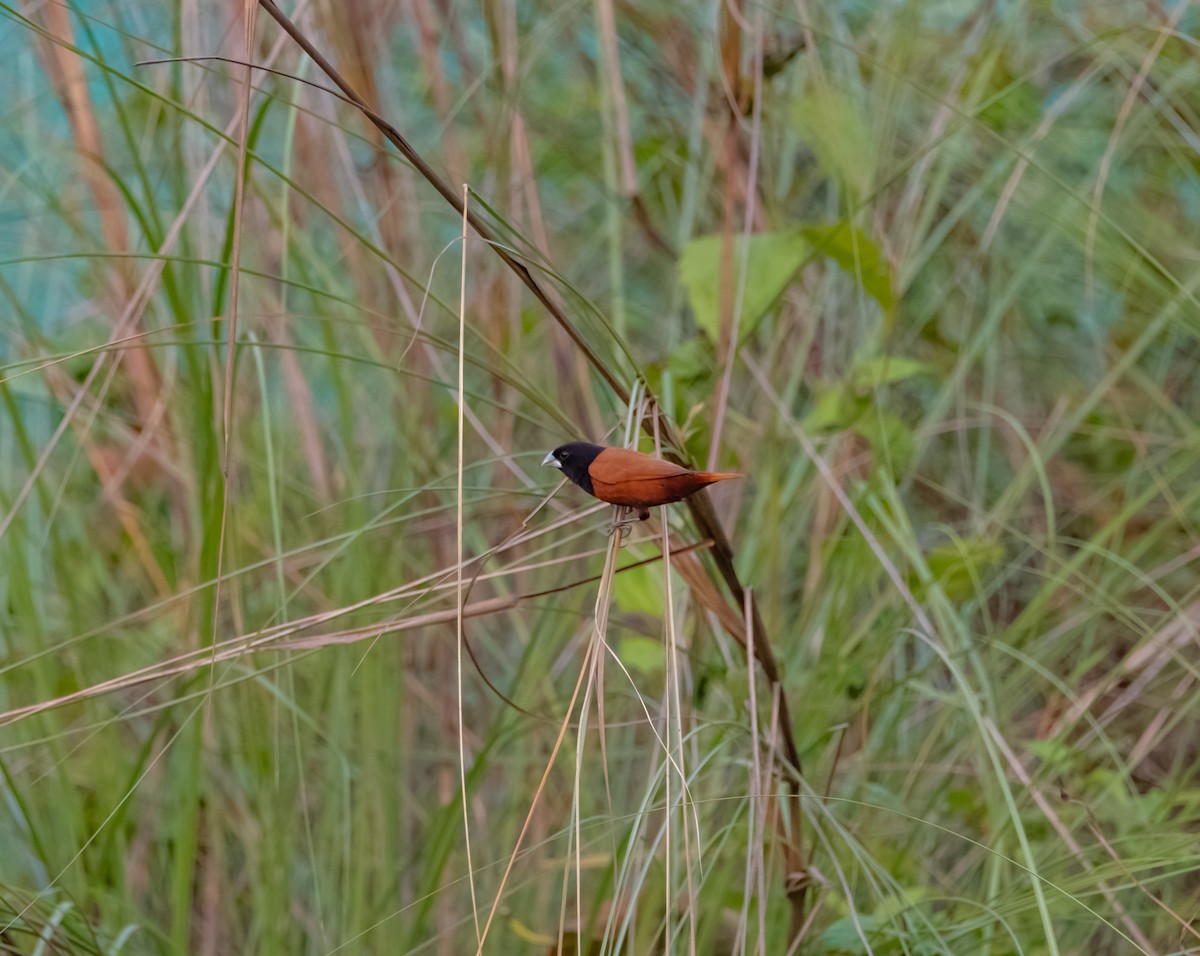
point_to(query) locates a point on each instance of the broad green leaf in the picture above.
(844, 935)
(835, 409)
(966, 800)
(773, 259)
(837, 133)
(885, 370)
(890, 438)
(962, 563)
(640, 591)
(1054, 754)
(858, 255)
(640, 654)
(694, 360)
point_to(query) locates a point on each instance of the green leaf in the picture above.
(965, 800)
(961, 564)
(641, 654)
(639, 591)
(694, 361)
(842, 936)
(834, 410)
(890, 438)
(885, 370)
(858, 255)
(1055, 754)
(837, 133)
(773, 259)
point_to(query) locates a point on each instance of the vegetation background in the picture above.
(925, 271)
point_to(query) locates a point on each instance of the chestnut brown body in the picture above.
(621, 476)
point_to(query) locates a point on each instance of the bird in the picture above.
(625, 477)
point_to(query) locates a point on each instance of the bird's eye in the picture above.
(565, 455)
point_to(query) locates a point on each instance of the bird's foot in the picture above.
(629, 518)
(622, 526)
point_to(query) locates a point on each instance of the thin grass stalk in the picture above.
(768, 811)
(734, 328)
(249, 16)
(753, 859)
(668, 886)
(584, 670)
(182, 895)
(673, 697)
(597, 647)
(595, 682)
(459, 563)
(615, 148)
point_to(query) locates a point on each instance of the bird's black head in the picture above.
(574, 458)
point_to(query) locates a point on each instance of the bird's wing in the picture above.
(617, 465)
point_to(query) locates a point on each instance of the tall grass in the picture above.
(924, 683)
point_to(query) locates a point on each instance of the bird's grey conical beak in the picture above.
(551, 461)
